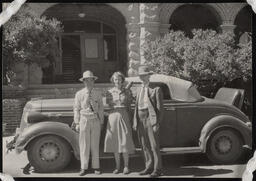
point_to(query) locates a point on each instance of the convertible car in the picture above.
(192, 124)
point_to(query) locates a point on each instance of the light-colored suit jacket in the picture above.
(155, 106)
(81, 104)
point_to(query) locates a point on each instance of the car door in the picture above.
(190, 120)
(168, 131)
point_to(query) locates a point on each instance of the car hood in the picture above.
(61, 104)
(57, 104)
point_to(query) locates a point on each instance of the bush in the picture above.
(208, 59)
(28, 39)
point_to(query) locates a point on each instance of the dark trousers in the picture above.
(149, 140)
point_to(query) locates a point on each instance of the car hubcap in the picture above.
(223, 145)
(49, 152)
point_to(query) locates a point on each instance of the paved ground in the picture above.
(190, 165)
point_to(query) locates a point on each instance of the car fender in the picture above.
(225, 121)
(45, 128)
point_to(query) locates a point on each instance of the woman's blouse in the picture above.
(119, 98)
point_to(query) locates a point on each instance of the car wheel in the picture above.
(224, 147)
(49, 153)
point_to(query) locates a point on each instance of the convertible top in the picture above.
(181, 90)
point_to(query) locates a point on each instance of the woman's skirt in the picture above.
(119, 133)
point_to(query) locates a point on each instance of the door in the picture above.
(71, 58)
(168, 126)
(92, 59)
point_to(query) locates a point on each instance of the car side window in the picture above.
(164, 88)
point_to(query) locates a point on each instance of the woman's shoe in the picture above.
(97, 171)
(126, 171)
(116, 171)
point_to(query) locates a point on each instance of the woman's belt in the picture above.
(89, 115)
(116, 107)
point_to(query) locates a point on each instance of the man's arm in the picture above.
(135, 121)
(77, 108)
(159, 104)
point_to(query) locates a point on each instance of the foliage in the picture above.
(208, 59)
(28, 39)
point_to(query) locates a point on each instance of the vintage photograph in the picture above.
(141, 90)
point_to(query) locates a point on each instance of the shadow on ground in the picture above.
(174, 165)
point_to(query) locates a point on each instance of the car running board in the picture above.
(164, 151)
(180, 150)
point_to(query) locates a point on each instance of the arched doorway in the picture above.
(194, 16)
(94, 38)
(243, 22)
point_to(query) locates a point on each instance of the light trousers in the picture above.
(89, 140)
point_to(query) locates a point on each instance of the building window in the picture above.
(109, 47)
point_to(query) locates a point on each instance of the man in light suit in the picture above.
(147, 118)
(88, 118)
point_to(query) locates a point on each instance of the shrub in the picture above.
(29, 39)
(208, 59)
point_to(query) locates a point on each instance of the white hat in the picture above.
(88, 74)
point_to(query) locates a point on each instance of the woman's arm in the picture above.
(100, 108)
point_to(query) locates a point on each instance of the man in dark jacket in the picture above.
(147, 117)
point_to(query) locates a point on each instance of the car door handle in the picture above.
(170, 109)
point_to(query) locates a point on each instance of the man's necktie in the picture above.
(142, 95)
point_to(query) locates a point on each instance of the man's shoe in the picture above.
(126, 171)
(156, 174)
(97, 171)
(145, 172)
(26, 169)
(82, 172)
(116, 171)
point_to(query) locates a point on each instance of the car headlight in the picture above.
(25, 118)
(249, 124)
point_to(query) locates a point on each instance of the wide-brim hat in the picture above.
(88, 74)
(145, 70)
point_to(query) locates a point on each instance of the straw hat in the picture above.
(88, 74)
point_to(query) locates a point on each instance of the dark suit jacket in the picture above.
(155, 106)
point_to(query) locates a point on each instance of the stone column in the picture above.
(133, 32)
(149, 25)
(143, 25)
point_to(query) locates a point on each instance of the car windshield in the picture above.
(173, 88)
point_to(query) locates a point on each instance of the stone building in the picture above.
(106, 37)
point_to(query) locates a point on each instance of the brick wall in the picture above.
(12, 112)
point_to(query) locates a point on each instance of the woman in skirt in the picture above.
(119, 132)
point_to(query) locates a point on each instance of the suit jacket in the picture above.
(155, 106)
(81, 104)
